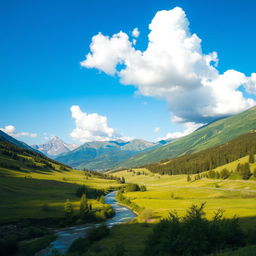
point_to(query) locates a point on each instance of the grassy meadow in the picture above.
(166, 193)
(38, 194)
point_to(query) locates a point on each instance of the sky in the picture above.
(88, 70)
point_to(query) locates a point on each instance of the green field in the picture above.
(25, 194)
(166, 193)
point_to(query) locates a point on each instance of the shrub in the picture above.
(194, 235)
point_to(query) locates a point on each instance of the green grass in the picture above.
(166, 193)
(22, 197)
(35, 245)
(246, 251)
(131, 236)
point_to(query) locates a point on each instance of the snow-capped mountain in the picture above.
(55, 147)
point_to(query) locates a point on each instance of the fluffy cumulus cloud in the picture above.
(188, 128)
(91, 127)
(10, 129)
(174, 68)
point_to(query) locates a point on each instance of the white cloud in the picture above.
(10, 129)
(174, 68)
(189, 128)
(107, 52)
(92, 127)
(250, 86)
(157, 129)
(136, 33)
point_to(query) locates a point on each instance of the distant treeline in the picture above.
(102, 175)
(16, 153)
(207, 159)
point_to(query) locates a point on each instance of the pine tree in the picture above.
(68, 209)
(84, 207)
(251, 158)
(188, 178)
(245, 171)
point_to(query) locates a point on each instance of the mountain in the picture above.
(102, 155)
(18, 156)
(55, 147)
(214, 134)
(208, 159)
(5, 137)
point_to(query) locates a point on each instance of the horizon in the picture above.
(68, 86)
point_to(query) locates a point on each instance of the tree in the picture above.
(251, 158)
(143, 188)
(254, 173)
(84, 207)
(122, 180)
(188, 178)
(224, 173)
(68, 209)
(245, 171)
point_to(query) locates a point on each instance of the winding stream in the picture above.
(66, 236)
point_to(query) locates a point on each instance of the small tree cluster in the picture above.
(244, 171)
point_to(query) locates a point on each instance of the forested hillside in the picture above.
(211, 135)
(208, 159)
(17, 158)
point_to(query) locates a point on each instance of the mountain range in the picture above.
(102, 155)
(213, 134)
(54, 147)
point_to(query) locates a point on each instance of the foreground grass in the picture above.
(246, 251)
(31, 247)
(130, 237)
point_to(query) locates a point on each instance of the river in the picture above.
(66, 236)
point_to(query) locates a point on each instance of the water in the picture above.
(66, 236)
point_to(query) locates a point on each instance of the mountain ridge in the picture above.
(102, 155)
(54, 147)
(208, 136)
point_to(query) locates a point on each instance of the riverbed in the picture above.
(66, 236)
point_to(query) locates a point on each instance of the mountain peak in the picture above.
(55, 146)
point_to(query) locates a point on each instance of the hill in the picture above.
(209, 158)
(102, 155)
(35, 186)
(211, 135)
(5, 137)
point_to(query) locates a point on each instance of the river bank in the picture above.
(66, 236)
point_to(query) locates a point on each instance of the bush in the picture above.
(143, 188)
(194, 235)
(132, 187)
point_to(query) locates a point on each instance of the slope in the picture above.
(34, 186)
(211, 135)
(5, 137)
(55, 147)
(101, 155)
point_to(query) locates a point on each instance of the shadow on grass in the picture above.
(132, 239)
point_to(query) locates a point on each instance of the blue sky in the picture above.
(43, 42)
